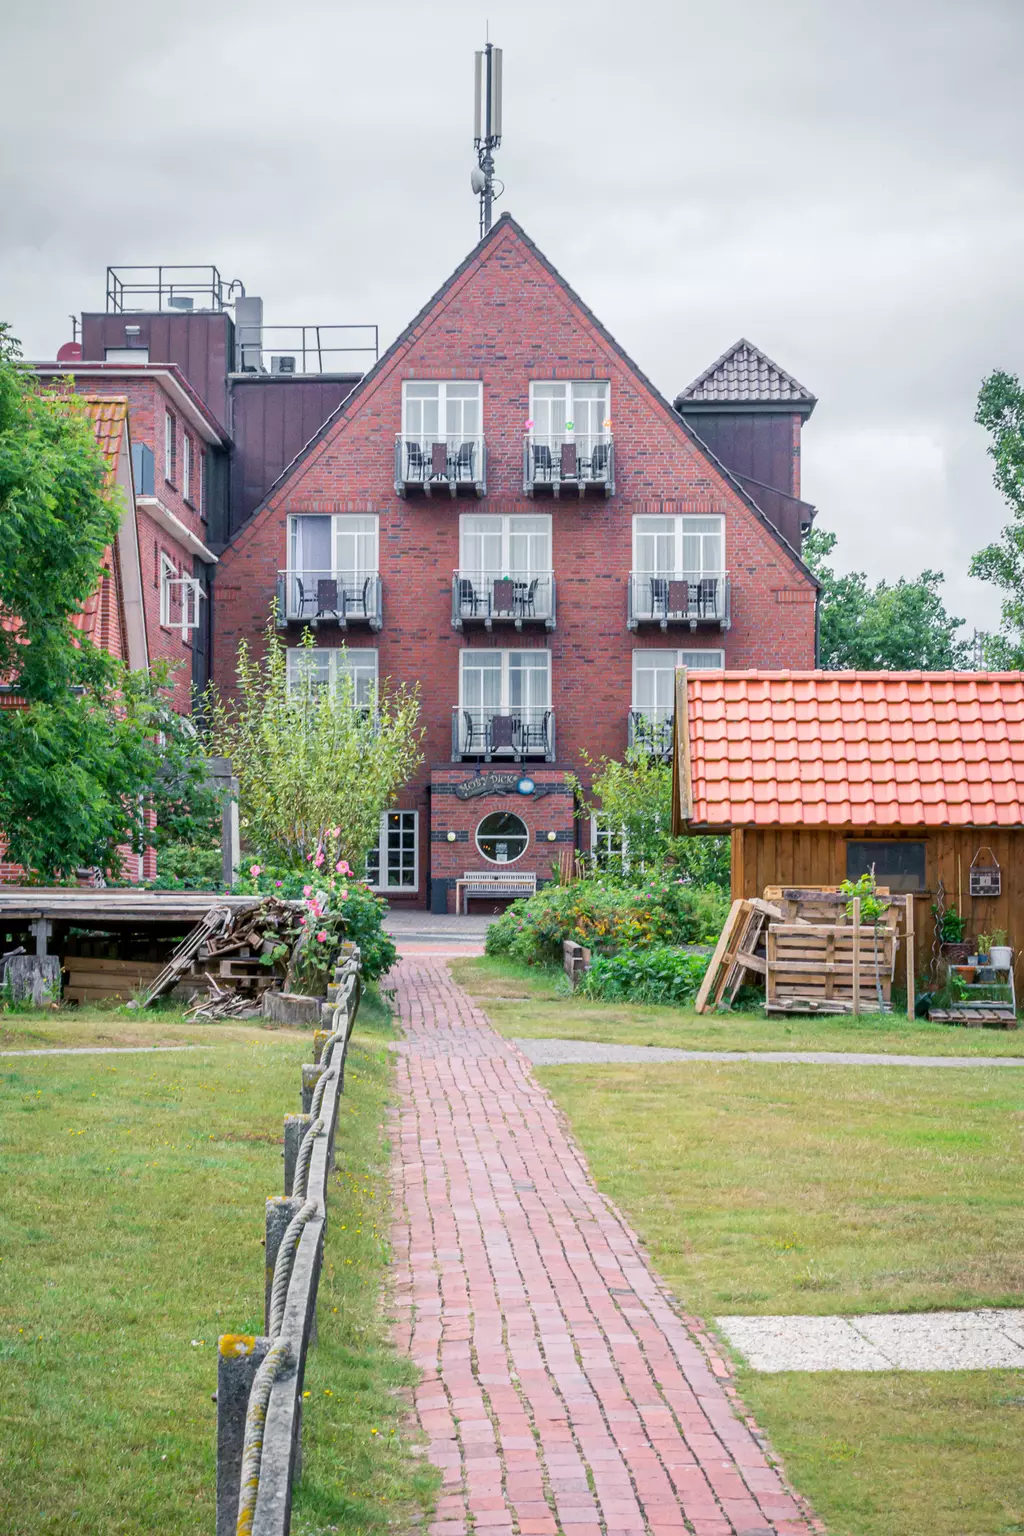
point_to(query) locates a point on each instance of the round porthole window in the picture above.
(502, 837)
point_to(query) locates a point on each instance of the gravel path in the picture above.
(569, 1053)
(99, 1050)
(561, 1392)
(918, 1341)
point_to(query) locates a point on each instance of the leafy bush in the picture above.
(188, 867)
(606, 917)
(659, 975)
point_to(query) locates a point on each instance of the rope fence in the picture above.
(259, 1379)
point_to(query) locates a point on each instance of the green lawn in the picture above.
(533, 1003)
(130, 1237)
(787, 1189)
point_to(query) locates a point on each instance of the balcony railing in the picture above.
(652, 730)
(489, 598)
(512, 731)
(329, 597)
(433, 463)
(557, 462)
(679, 597)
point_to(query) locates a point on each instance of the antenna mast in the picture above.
(487, 130)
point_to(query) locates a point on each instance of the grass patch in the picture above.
(134, 1228)
(778, 1189)
(901, 1454)
(534, 1003)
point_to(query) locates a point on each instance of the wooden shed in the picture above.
(820, 776)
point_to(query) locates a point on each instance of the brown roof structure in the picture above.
(744, 375)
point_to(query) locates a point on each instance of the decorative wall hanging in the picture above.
(986, 878)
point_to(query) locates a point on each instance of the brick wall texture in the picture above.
(506, 318)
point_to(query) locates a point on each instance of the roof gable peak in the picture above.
(744, 375)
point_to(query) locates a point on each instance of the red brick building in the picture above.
(505, 511)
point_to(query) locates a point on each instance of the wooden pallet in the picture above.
(812, 903)
(975, 1018)
(95, 980)
(735, 955)
(827, 967)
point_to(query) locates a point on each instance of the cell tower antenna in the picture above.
(486, 130)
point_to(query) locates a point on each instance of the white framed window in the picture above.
(504, 682)
(681, 547)
(186, 467)
(169, 443)
(654, 677)
(609, 844)
(493, 546)
(394, 864)
(446, 411)
(329, 664)
(502, 837)
(180, 597)
(569, 406)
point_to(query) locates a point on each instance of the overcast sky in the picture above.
(838, 180)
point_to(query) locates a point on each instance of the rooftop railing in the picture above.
(284, 350)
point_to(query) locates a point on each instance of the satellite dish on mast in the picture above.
(477, 180)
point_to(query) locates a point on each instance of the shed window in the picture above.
(900, 866)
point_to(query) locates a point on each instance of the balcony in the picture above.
(577, 464)
(329, 597)
(511, 731)
(454, 464)
(678, 598)
(483, 597)
(652, 731)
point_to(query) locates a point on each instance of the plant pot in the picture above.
(966, 973)
(956, 954)
(1001, 956)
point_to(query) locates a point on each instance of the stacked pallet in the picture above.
(91, 980)
(829, 968)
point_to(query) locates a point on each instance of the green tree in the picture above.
(308, 758)
(1001, 412)
(95, 752)
(892, 627)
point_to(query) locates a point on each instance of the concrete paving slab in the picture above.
(570, 1053)
(986, 1339)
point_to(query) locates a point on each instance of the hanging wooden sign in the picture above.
(986, 878)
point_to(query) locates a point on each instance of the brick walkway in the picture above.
(560, 1390)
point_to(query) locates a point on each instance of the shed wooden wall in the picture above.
(803, 856)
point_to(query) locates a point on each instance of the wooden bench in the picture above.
(488, 882)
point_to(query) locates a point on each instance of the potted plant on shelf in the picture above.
(951, 938)
(984, 945)
(1000, 954)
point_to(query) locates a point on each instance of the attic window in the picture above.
(898, 865)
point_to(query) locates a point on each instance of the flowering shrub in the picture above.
(335, 905)
(659, 975)
(606, 917)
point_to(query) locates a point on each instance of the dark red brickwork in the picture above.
(507, 318)
(549, 809)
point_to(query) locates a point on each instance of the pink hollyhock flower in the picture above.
(307, 891)
(302, 919)
(279, 882)
(343, 867)
(321, 937)
(344, 895)
(254, 870)
(319, 857)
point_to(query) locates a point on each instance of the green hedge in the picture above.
(661, 975)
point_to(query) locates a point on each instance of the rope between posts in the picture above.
(301, 1176)
(279, 1358)
(320, 1089)
(283, 1266)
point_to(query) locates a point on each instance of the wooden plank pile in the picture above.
(738, 954)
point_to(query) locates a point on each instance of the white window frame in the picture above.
(446, 393)
(340, 526)
(681, 526)
(469, 654)
(186, 467)
(189, 594)
(382, 852)
(358, 653)
(574, 392)
(501, 526)
(603, 838)
(502, 863)
(170, 434)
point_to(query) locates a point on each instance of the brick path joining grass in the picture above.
(560, 1391)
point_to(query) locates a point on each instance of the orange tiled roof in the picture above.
(857, 749)
(108, 416)
(100, 615)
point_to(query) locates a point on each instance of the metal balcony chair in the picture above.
(464, 461)
(526, 597)
(476, 734)
(417, 465)
(659, 596)
(707, 597)
(599, 461)
(535, 735)
(471, 602)
(356, 599)
(306, 600)
(543, 469)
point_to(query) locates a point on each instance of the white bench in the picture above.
(488, 882)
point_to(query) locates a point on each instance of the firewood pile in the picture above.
(224, 961)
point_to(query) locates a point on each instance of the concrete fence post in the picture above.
(311, 1072)
(294, 1130)
(280, 1210)
(239, 1356)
